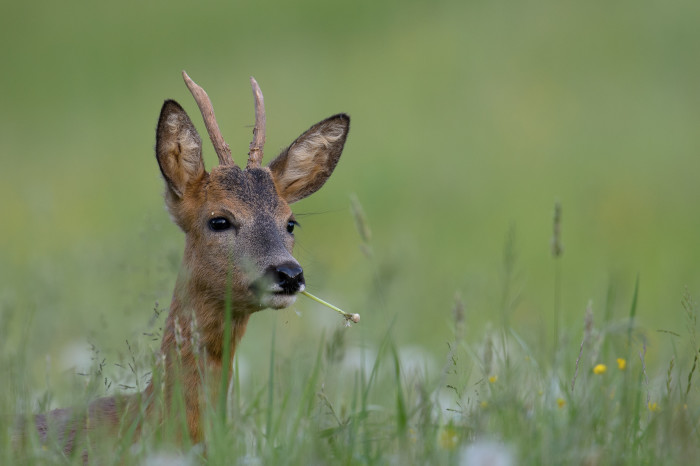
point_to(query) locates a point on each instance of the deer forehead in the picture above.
(250, 192)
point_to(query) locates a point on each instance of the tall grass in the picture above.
(502, 397)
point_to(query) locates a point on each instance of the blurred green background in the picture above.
(469, 120)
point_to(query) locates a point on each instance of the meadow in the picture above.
(471, 121)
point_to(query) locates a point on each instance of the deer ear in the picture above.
(178, 150)
(302, 168)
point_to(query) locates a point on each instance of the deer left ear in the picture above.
(302, 168)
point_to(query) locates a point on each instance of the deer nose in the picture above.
(290, 277)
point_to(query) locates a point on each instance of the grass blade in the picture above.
(633, 312)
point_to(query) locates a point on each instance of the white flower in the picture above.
(486, 453)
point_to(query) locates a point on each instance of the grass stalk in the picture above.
(271, 388)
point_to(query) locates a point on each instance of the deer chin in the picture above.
(277, 300)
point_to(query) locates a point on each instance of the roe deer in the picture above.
(238, 257)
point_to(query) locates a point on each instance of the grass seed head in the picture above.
(557, 247)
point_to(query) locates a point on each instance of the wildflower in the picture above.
(653, 406)
(600, 369)
(621, 364)
(484, 404)
(493, 379)
(448, 438)
(561, 402)
(487, 452)
(412, 435)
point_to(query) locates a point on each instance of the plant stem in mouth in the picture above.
(349, 317)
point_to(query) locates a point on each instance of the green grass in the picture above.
(503, 393)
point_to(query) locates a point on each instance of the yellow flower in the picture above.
(449, 438)
(653, 406)
(621, 364)
(493, 378)
(600, 369)
(484, 404)
(561, 402)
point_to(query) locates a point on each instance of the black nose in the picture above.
(290, 277)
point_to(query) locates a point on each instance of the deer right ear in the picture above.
(179, 151)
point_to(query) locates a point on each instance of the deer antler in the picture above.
(255, 153)
(204, 103)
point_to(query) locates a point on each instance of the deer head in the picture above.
(238, 224)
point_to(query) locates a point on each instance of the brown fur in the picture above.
(217, 265)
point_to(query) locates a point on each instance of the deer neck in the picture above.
(193, 347)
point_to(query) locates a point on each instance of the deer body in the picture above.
(238, 258)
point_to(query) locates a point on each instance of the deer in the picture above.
(239, 235)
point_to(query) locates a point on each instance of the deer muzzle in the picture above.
(278, 286)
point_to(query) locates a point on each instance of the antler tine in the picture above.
(255, 154)
(204, 103)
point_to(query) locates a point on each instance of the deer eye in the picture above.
(290, 226)
(219, 224)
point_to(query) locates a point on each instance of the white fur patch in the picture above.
(311, 151)
(188, 139)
